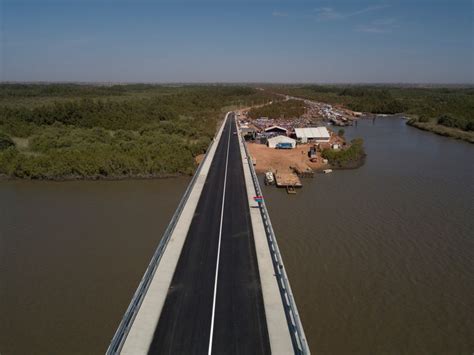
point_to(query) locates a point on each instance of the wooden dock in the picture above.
(287, 178)
(307, 173)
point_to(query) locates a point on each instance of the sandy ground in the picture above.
(199, 158)
(282, 159)
(269, 159)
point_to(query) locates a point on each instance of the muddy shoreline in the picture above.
(442, 130)
(4, 177)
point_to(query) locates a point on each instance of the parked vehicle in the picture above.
(284, 146)
(269, 178)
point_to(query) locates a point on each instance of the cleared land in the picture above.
(288, 160)
(282, 160)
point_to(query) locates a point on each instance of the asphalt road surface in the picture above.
(214, 304)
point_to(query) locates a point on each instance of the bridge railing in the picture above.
(294, 322)
(123, 329)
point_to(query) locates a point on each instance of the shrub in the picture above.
(455, 122)
(346, 158)
(111, 131)
(5, 141)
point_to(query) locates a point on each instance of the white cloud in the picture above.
(279, 14)
(385, 25)
(368, 9)
(328, 13)
(370, 29)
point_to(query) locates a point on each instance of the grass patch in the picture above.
(21, 143)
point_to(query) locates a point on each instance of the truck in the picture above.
(284, 146)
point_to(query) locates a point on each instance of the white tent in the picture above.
(272, 142)
(319, 134)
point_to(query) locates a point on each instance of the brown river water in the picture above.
(380, 259)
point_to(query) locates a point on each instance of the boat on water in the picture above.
(327, 171)
(269, 178)
(290, 189)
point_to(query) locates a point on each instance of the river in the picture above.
(71, 257)
(380, 259)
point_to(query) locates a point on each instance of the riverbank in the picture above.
(467, 136)
(66, 178)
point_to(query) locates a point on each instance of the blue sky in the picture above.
(237, 41)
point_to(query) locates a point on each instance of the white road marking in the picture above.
(219, 247)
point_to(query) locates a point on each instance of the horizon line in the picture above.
(78, 82)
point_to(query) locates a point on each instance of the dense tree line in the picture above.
(372, 100)
(72, 90)
(365, 99)
(451, 107)
(155, 134)
(456, 122)
(200, 103)
(281, 109)
(66, 90)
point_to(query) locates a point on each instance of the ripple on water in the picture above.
(381, 258)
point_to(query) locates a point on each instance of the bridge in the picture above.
(216, 283)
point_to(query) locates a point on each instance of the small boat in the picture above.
(290, 189)
(269, 178)
(327, 171)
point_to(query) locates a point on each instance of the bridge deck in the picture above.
(206, 293)
(220, 229)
